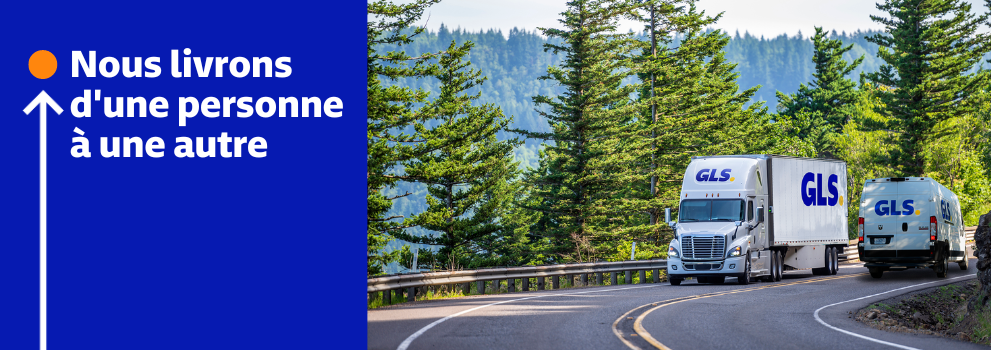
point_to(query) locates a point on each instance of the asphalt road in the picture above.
(780, 315)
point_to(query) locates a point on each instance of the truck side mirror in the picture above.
(760, 214)
(672, 223)
(667, 214)
(738, 223)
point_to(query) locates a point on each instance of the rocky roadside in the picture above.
(939, 311)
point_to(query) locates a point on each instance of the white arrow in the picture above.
(44, 101)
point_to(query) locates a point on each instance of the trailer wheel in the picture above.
(835, 257)
(875, 272)
(745, 279)
(779, 256)
(675, 281)
(963, 264)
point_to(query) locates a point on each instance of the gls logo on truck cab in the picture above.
(881, 208)
(709, 175)
(814, 196)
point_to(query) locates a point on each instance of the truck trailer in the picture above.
(754, 216)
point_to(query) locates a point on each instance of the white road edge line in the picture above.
(405, 344)
(871, 296)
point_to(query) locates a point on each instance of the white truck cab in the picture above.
(910, 222)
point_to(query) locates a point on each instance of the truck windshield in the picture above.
(693, 210)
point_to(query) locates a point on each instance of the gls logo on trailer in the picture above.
(709, 175)
(814, 196)
(882, 208)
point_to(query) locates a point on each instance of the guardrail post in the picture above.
(643, 276)
(525, 284)
(657, 276)
(584, 279)
(480, 287)
(467, 288)
(629, 276)
(540, 283)
(410, 294)
(612, 278)
(511, 285)
(386, 297)
(598, 278)
(556, 282)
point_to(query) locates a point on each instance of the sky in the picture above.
(759, 17)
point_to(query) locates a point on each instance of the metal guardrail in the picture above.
(850, 252)
(409, 283)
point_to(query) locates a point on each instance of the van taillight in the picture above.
(860, 227)
(932, 228)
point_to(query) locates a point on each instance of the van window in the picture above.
(750, 211)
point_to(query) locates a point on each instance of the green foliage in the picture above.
(390, 108)
(459, 158)
(817, 109)
(587, 121)
(928, 48)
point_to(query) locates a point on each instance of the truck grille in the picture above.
(703, 247)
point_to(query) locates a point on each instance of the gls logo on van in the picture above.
(709, 175)
(814, 196)
(882, 208)
(944, 208)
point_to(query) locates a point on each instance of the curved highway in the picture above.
(802, 311)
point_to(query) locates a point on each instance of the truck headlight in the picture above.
(735, 251)
(672, 252)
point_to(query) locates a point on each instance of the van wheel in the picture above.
(781, 265)
(745, 279)
(942, 265)
(963, 264)
(675, 281)
(875, 272)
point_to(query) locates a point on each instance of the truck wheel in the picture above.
(780, 257)
(770, 271)
(745, 279)
(942, 265)
(963, 264)
(875, 272)
(675, 281)
(835, 256)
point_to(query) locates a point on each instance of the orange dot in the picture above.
(42, 64)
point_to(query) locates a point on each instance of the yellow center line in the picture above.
(638, 324)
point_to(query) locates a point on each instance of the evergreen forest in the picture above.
(566, 144)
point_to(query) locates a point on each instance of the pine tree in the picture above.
(695, 109)
(928, 48)
(390, 112)
(817, 109)
(587, 121)
(464, 166)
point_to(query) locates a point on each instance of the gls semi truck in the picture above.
(752, 216)
(910, 222)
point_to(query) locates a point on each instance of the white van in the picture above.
(910, 222)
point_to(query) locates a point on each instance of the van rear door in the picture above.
(879, 225)
(911, 210)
